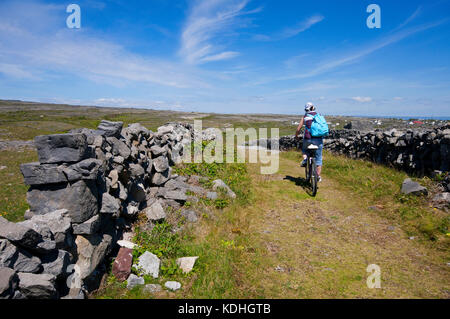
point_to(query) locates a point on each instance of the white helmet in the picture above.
(309, 107)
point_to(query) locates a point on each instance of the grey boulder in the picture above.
(61, 148)
(118, 147)
(38, 174)
(148, 264)
(79, 198)
(161, 163)
(86, 169)
(18, 234)
(110, 205)
(8, 282)
(56, 263)
(110, 128)
(88, 227)
(220, 184)
(17, 258)
(37, 286)
(155, 212)
(134, 281)
(411, 187)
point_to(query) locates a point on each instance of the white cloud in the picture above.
(362, 99)
(15, 71)
(326, 66)
(291, 31)
(302, 26)
(208, 21)
(27, 51)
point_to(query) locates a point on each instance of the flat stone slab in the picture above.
(126, 244)
(152, 288)
(122, 264)
(411, 187)
(110, 128)
(61, 148)
(134, 281)
(18, 234)
(37, 174)
(149, 264)
(172, 285)
(37, 286)
(155, 212)
(79, 198)
(8, 282)
(186, 263)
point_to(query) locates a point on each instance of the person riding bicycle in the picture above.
(308, 139)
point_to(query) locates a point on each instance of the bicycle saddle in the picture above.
(313, 147)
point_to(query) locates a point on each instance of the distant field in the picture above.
(25, 120)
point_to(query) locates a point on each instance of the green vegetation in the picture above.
(12, 188)
(381, 185)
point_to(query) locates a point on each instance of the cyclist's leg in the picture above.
(305, 144)
(319, 143)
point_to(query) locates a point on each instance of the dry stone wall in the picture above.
(417, 152)
(85, 189)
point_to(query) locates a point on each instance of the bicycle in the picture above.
(311, 168)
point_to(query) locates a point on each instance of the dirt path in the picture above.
(320, 247)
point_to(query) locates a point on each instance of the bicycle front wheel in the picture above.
(314, 177)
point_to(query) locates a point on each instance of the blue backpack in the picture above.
(319, 126)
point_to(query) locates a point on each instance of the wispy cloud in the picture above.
(362, 99)
(208, 21)
(291, 31)
(414, 15)
(26, 52)
(326, 66)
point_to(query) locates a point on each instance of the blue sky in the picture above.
(233, 56)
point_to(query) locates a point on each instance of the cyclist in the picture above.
(310, 111)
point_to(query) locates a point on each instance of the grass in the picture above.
(216, 239)
(12, 188)
(382, 186)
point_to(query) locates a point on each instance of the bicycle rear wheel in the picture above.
(307, 170)
(314, 177)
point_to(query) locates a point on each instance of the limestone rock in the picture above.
(79, 198)
(88, 227)
(155, 212)
(110, 128)
(186, 263)
(38, 174)
(134, 281)
(110, 205)
(61, 148)
(152, 288)
(18, 234)
(37, 286)
(161, 164)
(172, 285)
(8, 282)
(17, 258)
(148, 264)
(411, 187)
(218, 183)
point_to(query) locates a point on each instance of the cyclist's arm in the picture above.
(300, 125)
